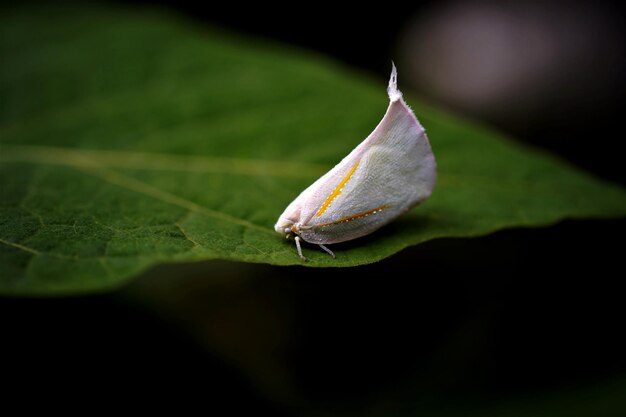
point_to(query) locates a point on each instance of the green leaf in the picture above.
(130, 138)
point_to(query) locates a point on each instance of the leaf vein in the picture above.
(195, 244)
(20, 246)
(156, 161)
(141, 187)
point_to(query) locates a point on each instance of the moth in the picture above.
(390, 172)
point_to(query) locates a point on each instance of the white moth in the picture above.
(390, 172)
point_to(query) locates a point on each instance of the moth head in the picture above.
(286, 227)
(283, 226)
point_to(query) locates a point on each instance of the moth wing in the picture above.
(391, 171)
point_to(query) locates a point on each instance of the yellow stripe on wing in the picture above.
(356, 216)
(337, 190)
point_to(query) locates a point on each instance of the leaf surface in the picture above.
(131, 138)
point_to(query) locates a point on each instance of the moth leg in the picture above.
(297, 239)
(328, 251)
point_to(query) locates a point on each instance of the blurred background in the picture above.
(551, 73)
(522, 322)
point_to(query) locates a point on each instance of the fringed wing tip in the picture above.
(392, 90)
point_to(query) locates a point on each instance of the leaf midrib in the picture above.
(81, 158)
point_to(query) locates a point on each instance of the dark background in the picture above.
(519, 320)
(572, 104)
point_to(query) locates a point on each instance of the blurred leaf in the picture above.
(132, 138)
